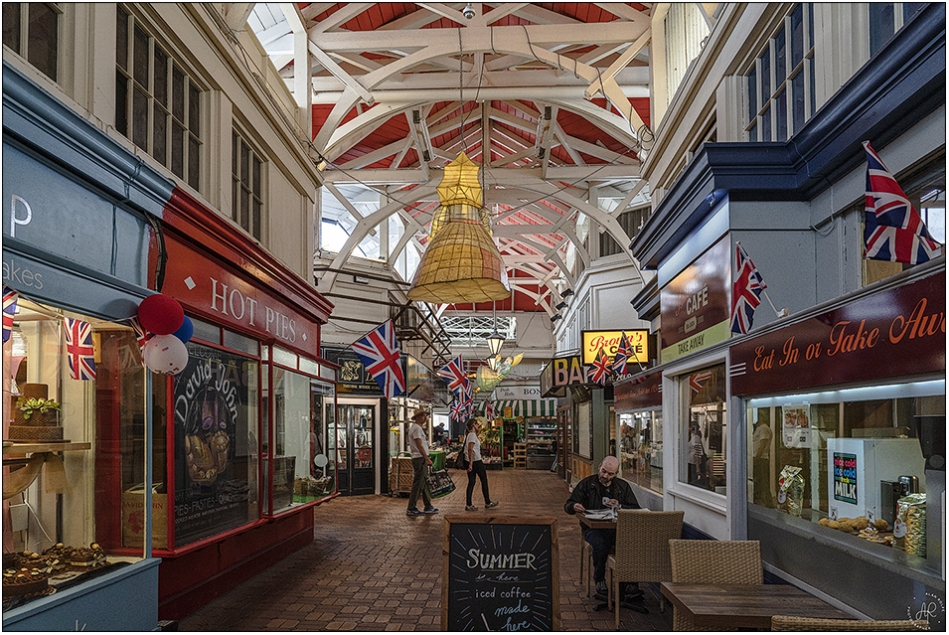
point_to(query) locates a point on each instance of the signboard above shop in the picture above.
(896, 332)
(694, 305)
(638, 340)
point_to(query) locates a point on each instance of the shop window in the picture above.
(842, 460)
(247, 186)
(640, 448)
(157, 104)
(780, 82)
(300, 465)
(216, 416)
(886, 18)
(704, 432)
(31, 29)
(73, 430)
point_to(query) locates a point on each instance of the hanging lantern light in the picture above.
(493, 362)
(461, 263)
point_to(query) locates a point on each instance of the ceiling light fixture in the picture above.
(566, 292)
(561, 305)
(554, 318)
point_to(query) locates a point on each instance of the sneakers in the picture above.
(491, 504)
(470, 508)
(633, 593)
(414, 512)
(430, 510)
(601, 591)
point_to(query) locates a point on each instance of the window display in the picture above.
(299, 473)
(215, 415)
(640, 448)
(65, 375)
(704, 448)
(846, 462)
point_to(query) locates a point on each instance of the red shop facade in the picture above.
(237, 434)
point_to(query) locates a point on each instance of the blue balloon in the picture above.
(185, 331)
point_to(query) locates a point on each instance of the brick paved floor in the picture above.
(372, 568)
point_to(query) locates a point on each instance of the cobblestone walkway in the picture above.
(372, 568)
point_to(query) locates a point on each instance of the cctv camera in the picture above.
(468, 12)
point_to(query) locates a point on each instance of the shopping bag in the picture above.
(440, 483)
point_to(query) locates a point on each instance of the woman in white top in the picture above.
(472, 450)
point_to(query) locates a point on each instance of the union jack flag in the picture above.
(893, 229)
(467, 401)
(380, 354)
(80, 350)
(456, 411)
(9, 311)
(599, 372)
(746, 292)
(489, 410)
(697, 380)
(141, 335)
(454, 374)
(623, 353)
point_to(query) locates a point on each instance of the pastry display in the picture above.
(90, 556)
(862, 528)
(24, 573)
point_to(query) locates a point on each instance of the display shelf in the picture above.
(59, 446)
(541, 444)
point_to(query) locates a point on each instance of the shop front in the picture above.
(845, 421)
(243, 456)
(78, 214)
(358, 442)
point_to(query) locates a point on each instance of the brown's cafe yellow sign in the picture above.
(593, 341)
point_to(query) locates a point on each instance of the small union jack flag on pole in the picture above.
(80, 351)
(489, 410)
(141, 335)
(893, 229)
(9, 311)
(746, 292)
(454, 374)
(623, 353)
(600, 370)
(380, 354)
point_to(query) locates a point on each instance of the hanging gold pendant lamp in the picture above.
(461, 263)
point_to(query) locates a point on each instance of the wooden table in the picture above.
(745, 605)
(596, 524)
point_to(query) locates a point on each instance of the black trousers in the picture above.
(477, 469)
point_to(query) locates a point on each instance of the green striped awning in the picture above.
(526, 407)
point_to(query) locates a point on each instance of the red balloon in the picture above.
(160, 314)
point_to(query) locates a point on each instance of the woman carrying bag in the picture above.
(472, 451)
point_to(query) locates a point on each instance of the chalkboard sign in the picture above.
(500, 574)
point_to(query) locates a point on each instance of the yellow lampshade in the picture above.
(461, 263)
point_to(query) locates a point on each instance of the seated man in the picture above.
(599, 491)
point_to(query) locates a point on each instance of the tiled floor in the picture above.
(371, 568)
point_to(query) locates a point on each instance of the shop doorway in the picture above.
(354, 436)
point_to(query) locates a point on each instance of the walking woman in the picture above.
(475, 466)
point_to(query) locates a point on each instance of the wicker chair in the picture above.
(642, 550)
(713, 562)
(789, 623)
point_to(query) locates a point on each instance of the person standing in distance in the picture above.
(475, 466)
(418, 444)
(600, 491)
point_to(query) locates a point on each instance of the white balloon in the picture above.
(165, 354)
(320, 460)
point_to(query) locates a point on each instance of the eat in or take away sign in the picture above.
(500, 574)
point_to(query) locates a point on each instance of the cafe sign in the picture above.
(896, 332)
(642, 391)
(694, 305)
(593, 341)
